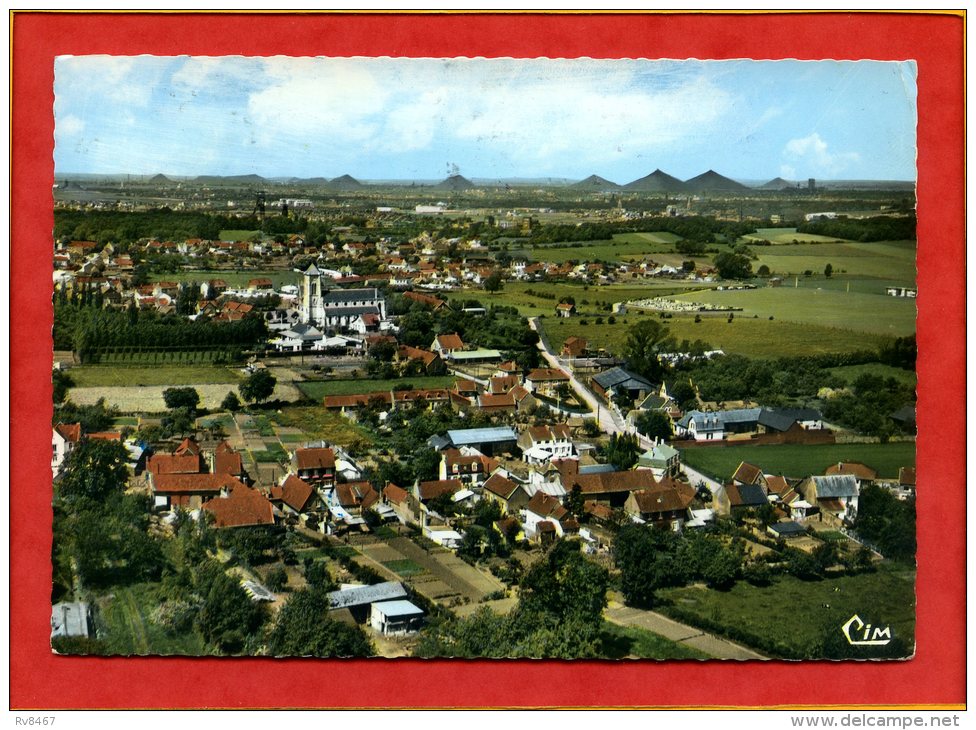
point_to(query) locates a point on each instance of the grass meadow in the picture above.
(793, 617)
(92, 376)
(318, 389)
(798, 461)
(752, 337)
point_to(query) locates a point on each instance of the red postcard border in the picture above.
(934, 677)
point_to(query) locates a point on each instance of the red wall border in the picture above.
(936, 676)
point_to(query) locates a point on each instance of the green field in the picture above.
(889, 260)
(875, 313)
(620, 642)
(721, 462)
(125, 626)
(792, 617)
(234, 279)
(237, 235)
(320, 424)
(744, 336)
(88, 376)
(850, 373)
(318, 389)
(623, 245)
(588, 299)
(404, 568)
(789, 235)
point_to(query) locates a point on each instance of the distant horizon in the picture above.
(413, 118)
(528, 179)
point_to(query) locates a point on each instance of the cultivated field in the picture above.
(149, 398)
(800, 461)
(752, 337)
(90, 376)
(794, 617)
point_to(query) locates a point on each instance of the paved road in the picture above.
(680, 633)
(609, 421)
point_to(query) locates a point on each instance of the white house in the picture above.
(64, 437)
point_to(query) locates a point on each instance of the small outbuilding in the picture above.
(394, 618)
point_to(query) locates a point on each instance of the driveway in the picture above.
(681, 633)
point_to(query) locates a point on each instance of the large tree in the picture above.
(258, 386)
(94, 470)
(303, 628)
(181, 398)
(645, 340)
(733, 266)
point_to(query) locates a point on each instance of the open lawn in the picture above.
(621, 642)
(792, 618)
(318, 389)
(798, 460)
(744, 336)
(875, 313)
(320, 424)
(404, 568)
(234, 279)
(91, 376)
(126, 628)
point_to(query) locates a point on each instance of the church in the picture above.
(337, 308)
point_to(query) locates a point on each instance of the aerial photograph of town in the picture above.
(484, 358)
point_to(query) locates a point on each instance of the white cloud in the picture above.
(122, 80)
(814, 156)
(69, 126)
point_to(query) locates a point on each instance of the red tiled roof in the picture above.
(172, 464)
(600, 511)
(427, 299)
(356, 494)
(462, 385)
(294, 492)
(431, 490)
(604, 483)
(486, 400)
(545, 506)
(187, 446)
(670, 496)
(355, 401)
(501, 486)
(228, 462)
(541, 375)
(906, 476)
(432, 394)
(315, 459)
(105, 436)
(395, 494)
(502, 383)
(854, 468)
(193, 483)
(450, 342)
(69, 431)
(242, 507)
(747, 473)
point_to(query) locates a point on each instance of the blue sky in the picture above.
(383, 118)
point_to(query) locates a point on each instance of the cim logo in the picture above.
(859, 633)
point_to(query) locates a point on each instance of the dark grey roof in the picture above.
(652, 402)
(438, 442)
(618, 377)
(752, 494)
(349, 311)
(364, 595)
(716, 420)
(776, 421)
(339, 296)
(831, 487)
(788, 529)
(597, 468)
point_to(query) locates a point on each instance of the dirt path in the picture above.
(680, 633)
